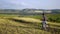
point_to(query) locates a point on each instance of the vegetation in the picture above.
(54, 18)
(49, 17)
(16, 24)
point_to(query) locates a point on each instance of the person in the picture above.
(44, 25)
(44, 21)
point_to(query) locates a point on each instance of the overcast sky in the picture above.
(21, 4)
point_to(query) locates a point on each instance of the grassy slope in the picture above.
(28, 26)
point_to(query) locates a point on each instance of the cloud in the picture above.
(19, 4)
(10, 4)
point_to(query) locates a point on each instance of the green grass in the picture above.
(26, 25)
(49, 17)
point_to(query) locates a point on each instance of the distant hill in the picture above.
(29, 11)
(55, 11)
(9, 11)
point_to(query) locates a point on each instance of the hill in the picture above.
(28, 11)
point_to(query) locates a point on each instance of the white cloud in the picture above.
(18, 3)
(41, 4)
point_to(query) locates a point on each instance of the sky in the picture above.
(35, 4)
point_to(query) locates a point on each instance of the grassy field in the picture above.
(49, 17)
(14, 24)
